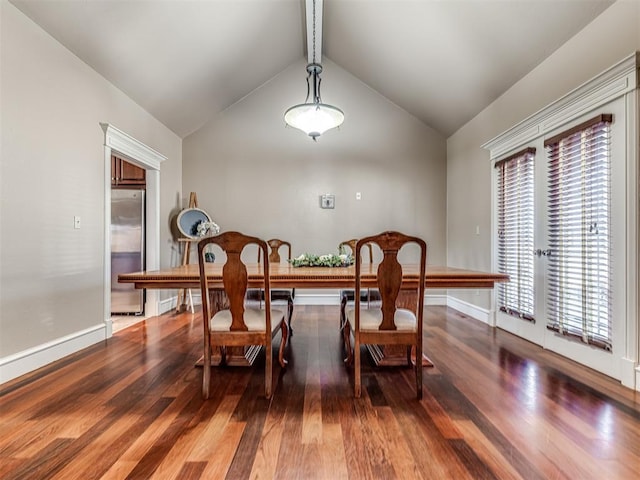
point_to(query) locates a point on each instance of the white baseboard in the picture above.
(435, 300)
(630, 374)
(332, 298)
(167, 305)
(470, 309)
(33, 358)
(301, 299)
(329, 298)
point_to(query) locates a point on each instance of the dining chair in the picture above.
(284, 294)
(368, 294)
(235, 324)
(387, 325)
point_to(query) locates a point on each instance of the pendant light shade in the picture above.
(314, 117)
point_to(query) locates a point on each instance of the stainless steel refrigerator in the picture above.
(127, 248)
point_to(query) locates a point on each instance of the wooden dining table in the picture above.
(284, 275)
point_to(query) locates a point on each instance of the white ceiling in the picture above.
(186, 60)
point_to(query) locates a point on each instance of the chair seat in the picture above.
(254, 318)
(372, 318)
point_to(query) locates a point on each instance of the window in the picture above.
(515, 233)
(579, 222)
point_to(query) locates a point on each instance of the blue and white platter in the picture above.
(189, 219)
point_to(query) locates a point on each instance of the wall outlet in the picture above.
(358, 196)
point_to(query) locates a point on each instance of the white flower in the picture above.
(208, 228)
(301, 257)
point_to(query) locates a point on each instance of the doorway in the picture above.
(137, 153)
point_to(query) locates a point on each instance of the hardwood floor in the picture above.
(494, 406)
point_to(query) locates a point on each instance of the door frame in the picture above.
(118, 142)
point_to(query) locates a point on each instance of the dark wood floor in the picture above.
(494, 406)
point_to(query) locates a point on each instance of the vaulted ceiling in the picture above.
(184, 61)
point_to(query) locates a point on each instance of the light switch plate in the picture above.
(76, 222)
(327, 201)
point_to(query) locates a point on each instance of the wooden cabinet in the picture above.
(124, 173)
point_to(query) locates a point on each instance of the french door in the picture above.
(559, 234)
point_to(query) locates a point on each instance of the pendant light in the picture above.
(314, 117)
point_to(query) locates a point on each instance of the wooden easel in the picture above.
(182, 305)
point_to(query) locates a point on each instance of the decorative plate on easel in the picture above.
(189, 219)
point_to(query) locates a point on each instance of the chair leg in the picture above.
(268, 368)
(206, 371)
(357, 380)
(190, 307)
(283, 343)
(290, 308)
(343, 312)
(346, 338)
(419, 362)
(223, 355)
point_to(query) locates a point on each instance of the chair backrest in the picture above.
(389, 275)
(234, 275)
(352, 245)
(274, 250)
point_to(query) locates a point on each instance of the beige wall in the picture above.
(253, 174)
(52, 276)
(608, 39)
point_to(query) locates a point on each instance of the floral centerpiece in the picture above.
(327, 260)
(206, 229)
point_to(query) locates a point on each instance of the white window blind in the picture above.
(515, 233)
(579, 270)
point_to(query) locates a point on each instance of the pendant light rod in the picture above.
(314, 31)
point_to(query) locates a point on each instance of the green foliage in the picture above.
(328, 260)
